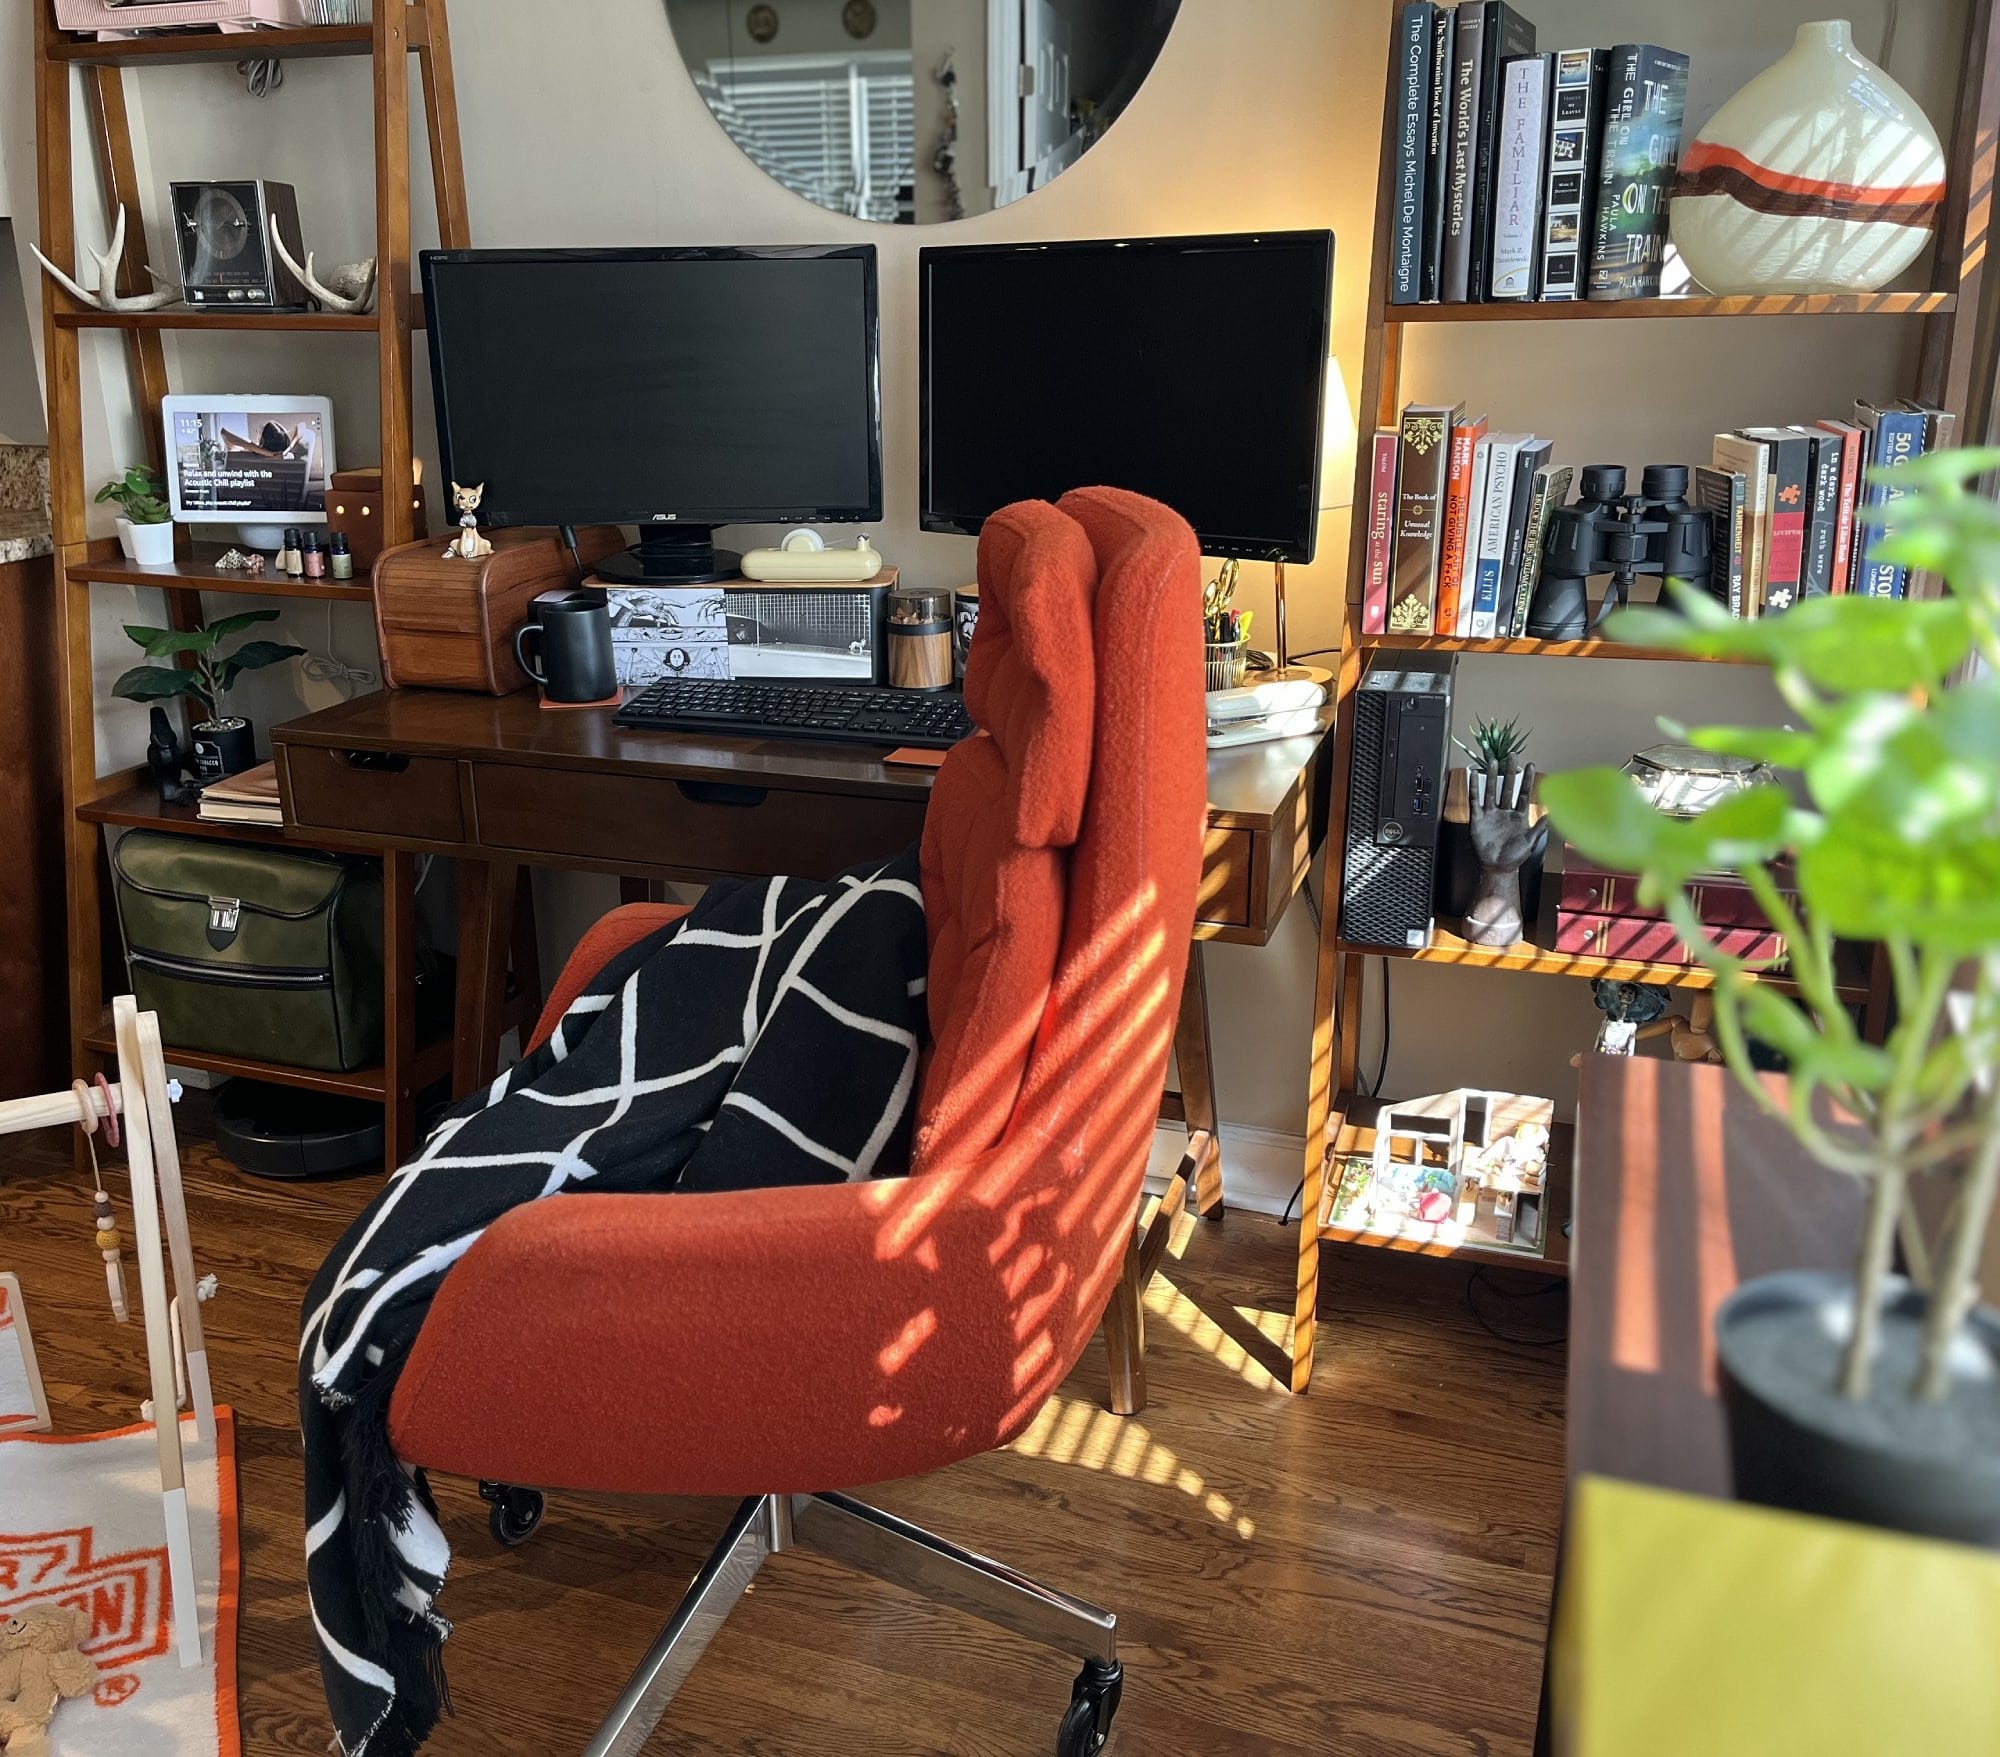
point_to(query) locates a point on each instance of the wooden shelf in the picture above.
(313, 43)
(141, 808)
(1525, 648)
(1689, 305)
(232, 318)
(195, 571)
(1353, 1136)
(432, 1063)
(1534, 956)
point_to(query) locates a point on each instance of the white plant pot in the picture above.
(125, 535)
(1821, 175)
(148, 545)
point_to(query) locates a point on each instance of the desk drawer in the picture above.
(1227, 862)
(374, 793)
(692, 826)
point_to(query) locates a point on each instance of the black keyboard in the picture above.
(933, 719)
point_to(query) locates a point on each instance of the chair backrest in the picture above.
(1003, 813)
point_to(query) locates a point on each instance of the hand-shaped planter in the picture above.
(1504, 838)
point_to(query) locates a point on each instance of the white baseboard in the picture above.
(1260, 1167)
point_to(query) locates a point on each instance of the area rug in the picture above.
(80, 1525)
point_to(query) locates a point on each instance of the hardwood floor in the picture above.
(1364, 1570)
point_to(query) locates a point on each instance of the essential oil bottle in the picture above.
(340, 558)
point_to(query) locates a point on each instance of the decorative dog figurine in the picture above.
(468, 545)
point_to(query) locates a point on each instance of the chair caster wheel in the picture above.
(516, 1512)
(1093, 1702)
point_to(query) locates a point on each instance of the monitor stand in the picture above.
(671, 555)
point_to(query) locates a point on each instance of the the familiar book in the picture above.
(1645, 104)
(1420, 474)
(1517, 176)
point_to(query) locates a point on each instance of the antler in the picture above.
(107, 297)
(326, 296)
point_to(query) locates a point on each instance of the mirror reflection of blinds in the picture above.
(838, 129)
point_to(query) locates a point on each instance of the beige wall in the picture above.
(1260, 113)
(21, 420)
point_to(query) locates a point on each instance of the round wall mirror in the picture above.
(910, 111)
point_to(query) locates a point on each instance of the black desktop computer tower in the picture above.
(1395, 797)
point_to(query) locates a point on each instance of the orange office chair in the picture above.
(784, 1344)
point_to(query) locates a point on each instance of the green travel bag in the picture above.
(273, 954)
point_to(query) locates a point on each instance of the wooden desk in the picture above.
(500, 783)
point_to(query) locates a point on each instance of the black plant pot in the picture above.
(1930, 1469)
(223, 747)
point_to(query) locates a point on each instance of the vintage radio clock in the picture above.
(224, 234)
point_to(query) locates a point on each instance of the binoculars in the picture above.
(1625, 535)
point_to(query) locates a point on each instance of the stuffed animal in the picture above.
(40, 1665)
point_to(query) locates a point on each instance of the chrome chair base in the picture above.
(890, 1549)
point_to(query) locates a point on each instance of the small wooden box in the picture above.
(450, 624)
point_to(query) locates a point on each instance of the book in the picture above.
(1468, 48)
(1550, 491)
(1751, 460)
(1845, 548)
(1437, 153)
(1420, 470)
(1720, 494)
(1507, 34)
(1822, 512)
(1576, 126)
(1494, 516)
(1895, 437)
(1645, 102)
(1381, 530)
(1719, 899)
(1788, 458)
(1529, 462)
(1648, 941)
(1517, 176)
(248, 798)
(1938, 425)
(1416, 29)
(1465, 440)
(1468, 573)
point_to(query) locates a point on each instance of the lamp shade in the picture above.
(1337, 440)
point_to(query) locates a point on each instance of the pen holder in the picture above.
(1227, 661)
(920, 637)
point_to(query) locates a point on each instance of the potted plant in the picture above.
(145, 525)
(1873, 1396)
(224, 744)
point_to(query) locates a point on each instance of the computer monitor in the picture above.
(672, 389)
(1189, 369)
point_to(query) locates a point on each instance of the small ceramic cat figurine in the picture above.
(468, 545)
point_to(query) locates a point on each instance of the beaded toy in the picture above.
(108, 1241)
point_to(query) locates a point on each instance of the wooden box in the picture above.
(449, 624)
(354, 509)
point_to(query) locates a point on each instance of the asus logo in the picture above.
(665, 518)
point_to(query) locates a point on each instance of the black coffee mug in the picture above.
(572, 638)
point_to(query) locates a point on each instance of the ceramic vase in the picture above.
(1821, 175)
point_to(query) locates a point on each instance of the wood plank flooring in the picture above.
(1364, 1570)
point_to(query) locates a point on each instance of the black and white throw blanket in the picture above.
(769, 1037)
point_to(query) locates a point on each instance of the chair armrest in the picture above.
(606, 938)
(761, 1341)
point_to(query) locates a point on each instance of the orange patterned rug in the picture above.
(80, 1525)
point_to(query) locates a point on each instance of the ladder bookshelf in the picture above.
(1955, 370)
(126, 799)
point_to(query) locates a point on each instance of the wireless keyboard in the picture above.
(932, 719)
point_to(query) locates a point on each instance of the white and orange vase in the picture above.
(1821, 175)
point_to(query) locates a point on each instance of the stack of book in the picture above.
(1457, 517)
(1520, 175)
(1599, 915)
(248, 798)
(1788, 505)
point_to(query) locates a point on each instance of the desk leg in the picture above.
(1197, 1076)
(399, 991)
(486, 925)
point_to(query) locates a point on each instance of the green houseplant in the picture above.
(224, 743)
(1874, 1397)
(145, 521)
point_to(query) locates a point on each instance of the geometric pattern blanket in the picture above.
(770, 1036)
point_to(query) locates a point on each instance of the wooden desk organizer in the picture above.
(449, 624)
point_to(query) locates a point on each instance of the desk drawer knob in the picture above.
(385, 762)
(722, 793)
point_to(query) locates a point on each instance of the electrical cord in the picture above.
(1481, 1277)
(261, 75)
(329, 667)
(568, 535)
